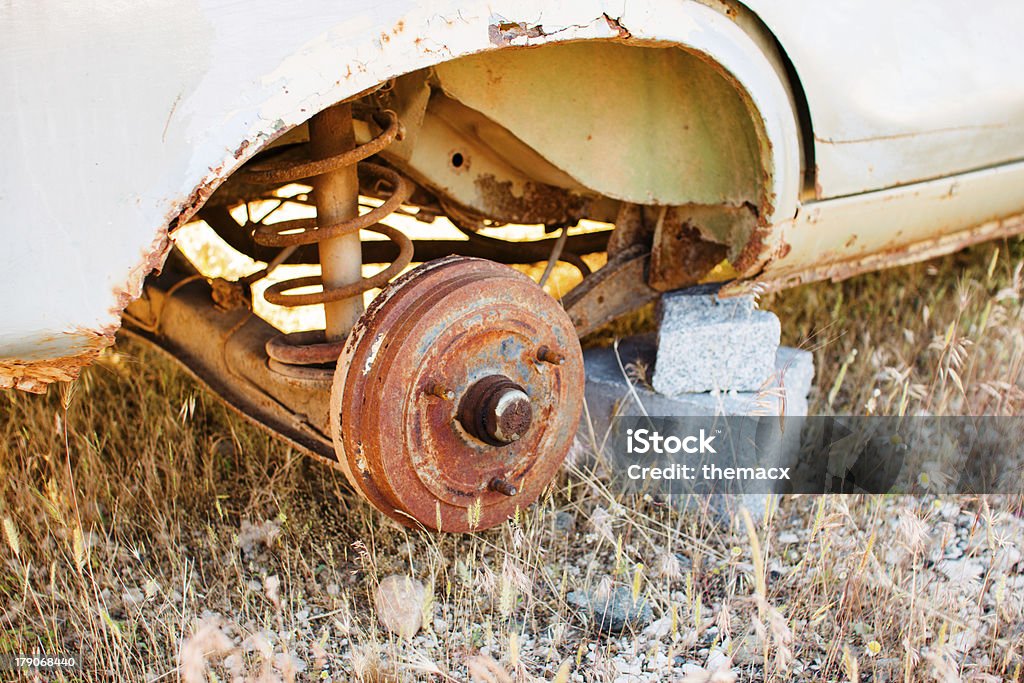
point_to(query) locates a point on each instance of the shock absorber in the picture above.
(333, 167)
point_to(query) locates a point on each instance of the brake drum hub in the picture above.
(457, 396)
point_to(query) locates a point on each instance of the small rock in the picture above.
(788, 537)
(747, 650)
(151, 588)
(233, 663)
(399, 604)
(564, 523)
(685, 563)
(612, 614)
(717, 660)
(659, 628)
(253, 537)
(628, 668)
(133, 597)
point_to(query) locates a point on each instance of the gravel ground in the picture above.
(153, 533)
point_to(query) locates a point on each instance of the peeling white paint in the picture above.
(374, 348)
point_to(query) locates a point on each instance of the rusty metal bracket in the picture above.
(618, 288)
(224, 350)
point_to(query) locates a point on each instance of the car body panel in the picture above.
(841, 237)
(907, 91)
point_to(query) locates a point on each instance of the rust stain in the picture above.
(538, 203)
(503, 33)
(152, 260)
(755, 251)
(616, 26)
(35, 376)
(682, 256)
(830, 265)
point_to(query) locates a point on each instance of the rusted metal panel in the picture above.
(842, 237)
(634, 226)
(464, 156)
(60, 362)
(689, 241)
(904, 92)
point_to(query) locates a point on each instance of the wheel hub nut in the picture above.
(496, 410)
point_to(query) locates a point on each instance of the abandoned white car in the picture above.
(775, 142)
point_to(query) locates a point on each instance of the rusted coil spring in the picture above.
(309, 348)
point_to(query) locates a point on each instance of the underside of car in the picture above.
(453, 398)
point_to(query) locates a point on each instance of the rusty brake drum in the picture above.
(457, 395)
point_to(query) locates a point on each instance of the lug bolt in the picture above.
(546, 355)
(439, 390)
(496, 410)
(502, 486)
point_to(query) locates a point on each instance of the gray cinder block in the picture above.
(609, 394)
(706, 343)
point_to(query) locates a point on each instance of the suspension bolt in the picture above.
(439, 390)
(546, 355)
(502, 486)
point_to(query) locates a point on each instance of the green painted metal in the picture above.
(651, 125)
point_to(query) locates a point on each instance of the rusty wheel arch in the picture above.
(215, 157)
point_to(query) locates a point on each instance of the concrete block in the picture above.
(707, 344)
(609, 394)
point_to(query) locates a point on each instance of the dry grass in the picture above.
(941, 337)
(155, 533)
